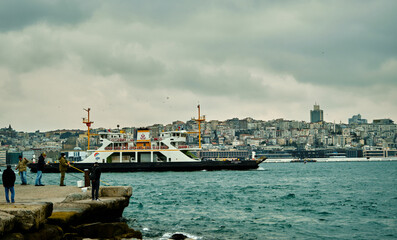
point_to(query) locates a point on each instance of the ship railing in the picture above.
(117, 148)
(121, 139)
(162, 147)
(186, 146)
(136, 148)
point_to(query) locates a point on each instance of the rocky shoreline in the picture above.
(74, 217)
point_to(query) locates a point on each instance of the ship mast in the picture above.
(88, 123)
(199, 120)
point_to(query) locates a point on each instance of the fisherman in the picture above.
(63, 167)
(95, 176)
(40, 169)
(8, 183)
(22, 166)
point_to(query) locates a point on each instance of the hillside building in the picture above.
(316, 115)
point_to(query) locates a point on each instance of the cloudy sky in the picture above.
(137, 63)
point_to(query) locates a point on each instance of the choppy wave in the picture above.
(304, 201)
(168, 235)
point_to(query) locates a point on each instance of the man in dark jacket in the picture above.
(40, 169)
(95, 176)
(8, 183)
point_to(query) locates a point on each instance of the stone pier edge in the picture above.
(74, 210)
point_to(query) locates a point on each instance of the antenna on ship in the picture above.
(88, 123)
(199, 120)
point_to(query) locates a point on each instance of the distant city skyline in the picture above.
(354, 119)
(140, 63)
(232, 133)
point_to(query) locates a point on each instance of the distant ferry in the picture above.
(304, 160)
(120, 152)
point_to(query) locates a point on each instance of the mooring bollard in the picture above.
(86, 178)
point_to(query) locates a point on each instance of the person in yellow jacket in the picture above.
(22, 166)
(63, 167)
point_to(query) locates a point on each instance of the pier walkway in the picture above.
(53, 212)
(48, 193)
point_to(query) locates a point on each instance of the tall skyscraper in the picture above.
(316, 115)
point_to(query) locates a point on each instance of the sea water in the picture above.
(332, 200)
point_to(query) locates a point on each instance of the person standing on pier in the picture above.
(40, 169)
(95, 176)
(63, 167)
(22, 166)
(8, 183)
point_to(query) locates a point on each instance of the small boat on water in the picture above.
(303, 160)
(120, 152)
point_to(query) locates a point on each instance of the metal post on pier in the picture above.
(86, 178)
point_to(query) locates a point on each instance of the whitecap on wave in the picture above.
(167, 236)
(260, 169)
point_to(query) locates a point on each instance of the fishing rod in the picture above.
(47, 165)
(70, 165)
(83, 172)
(30, 176)
(76, 169)
(74, 176)
(68, 172)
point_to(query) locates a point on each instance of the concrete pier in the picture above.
(54, 212)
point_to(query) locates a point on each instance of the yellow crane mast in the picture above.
(88, 123)
(199, 120)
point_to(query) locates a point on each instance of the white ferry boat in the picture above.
(120, 147)
(120, 152)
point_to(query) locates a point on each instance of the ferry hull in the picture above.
(156, 166)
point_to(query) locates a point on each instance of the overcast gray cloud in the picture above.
(137, 63)
(17, 14)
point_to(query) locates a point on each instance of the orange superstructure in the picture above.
(143, 138)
